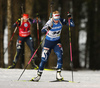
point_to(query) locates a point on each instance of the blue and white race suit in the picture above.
(52, 41)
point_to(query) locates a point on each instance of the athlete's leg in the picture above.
(45, 54)
(30, 44)
(19, 45)
(59, 52)
(18, 51)
(44, 58)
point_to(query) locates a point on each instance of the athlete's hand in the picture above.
(18, 20)
(69, 15)
(49, 28)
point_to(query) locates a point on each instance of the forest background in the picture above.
(85, 35)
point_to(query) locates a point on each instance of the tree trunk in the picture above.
(94, 34)
(9, 22)
(2, 26)
(75, 32)
(16, 14)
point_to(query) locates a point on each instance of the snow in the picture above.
(6, 45)
(87, 79)
(82, 37)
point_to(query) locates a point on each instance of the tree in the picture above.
(9, 23)
(77, 6)
(14, 13)
(93, 33)
(2, 26)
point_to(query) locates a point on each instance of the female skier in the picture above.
(52, 41)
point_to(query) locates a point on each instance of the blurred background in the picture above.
(85, 35)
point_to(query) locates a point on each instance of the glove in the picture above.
(49, 27)
(17, 23)
(68, 15)
(34, 20)
(18, 20)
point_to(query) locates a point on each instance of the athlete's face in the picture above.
(56, 20)
(25, 20)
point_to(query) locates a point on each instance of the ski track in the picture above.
(87, 79)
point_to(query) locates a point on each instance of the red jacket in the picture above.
(24, 29)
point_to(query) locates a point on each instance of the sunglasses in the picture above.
(56, 19)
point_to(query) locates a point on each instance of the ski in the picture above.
(30, 81)
(50, 81)
(64, 81)
(60, 81)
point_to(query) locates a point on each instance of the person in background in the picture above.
(53, 29)
(24, 36)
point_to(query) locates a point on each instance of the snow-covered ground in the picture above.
(87, 79)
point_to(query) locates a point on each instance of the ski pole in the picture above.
(10, 40)
(33, 55)
(70, 49)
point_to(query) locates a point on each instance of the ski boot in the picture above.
(58, 75)
(36, 79)
(12, 66)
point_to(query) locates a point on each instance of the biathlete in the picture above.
(24, 36)
(52, 41)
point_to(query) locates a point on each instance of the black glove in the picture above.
(17, 23)
(68, 15)
(49, 27)
(18, 20)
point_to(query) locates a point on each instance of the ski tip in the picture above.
(73, 82)
(48, 69)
